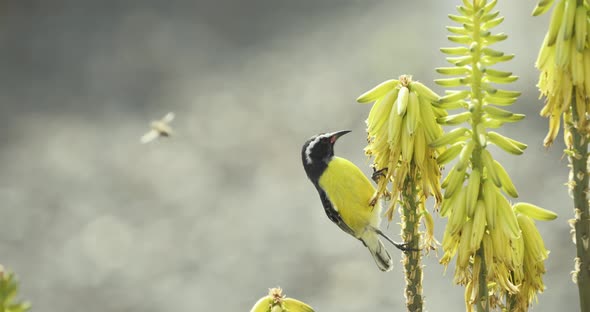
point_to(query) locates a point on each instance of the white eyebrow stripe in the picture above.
(312, 144)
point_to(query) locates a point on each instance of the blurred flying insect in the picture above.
(159, 128)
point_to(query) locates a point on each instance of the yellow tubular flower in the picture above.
(534, 256)
(429, 239)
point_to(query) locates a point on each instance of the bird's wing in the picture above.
(333, 214)
(168, 118)
(149, 136)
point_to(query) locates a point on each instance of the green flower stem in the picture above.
(482, 302)
(511, 302)
(579, 181)
(411, 235)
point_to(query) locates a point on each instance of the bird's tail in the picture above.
(378, 251)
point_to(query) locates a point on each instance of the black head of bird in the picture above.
(318, 151)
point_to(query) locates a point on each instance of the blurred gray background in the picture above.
(91, 220)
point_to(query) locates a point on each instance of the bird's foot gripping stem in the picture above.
(378, 174)
(382, 192)
(405, 247)
(401, 246)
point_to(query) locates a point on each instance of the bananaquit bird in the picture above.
(346, 194)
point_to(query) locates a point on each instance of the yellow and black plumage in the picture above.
(346, 195)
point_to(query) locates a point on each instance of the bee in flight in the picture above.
(159, 128)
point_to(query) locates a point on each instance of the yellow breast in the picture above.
(350, 192)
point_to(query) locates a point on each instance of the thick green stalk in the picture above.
(411, 235)
(477, 111)
(579, 182)
(482, 302)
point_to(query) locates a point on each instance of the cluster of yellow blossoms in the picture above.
(564, 62)
(401, 126)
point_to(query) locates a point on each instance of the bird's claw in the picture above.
(373, 201)
(378, 174)
(405, 247)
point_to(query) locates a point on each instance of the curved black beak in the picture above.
(335, 135)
